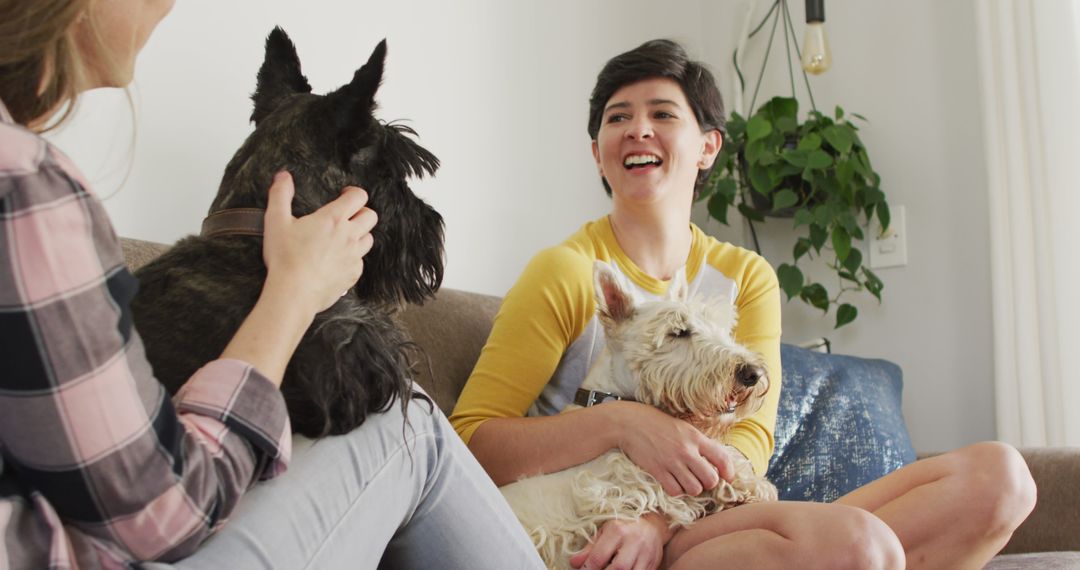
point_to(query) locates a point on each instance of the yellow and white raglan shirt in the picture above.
(546, 334)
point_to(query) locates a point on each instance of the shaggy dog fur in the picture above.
(355, 359)
(678, 355)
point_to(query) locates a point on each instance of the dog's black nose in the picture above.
(749, 375)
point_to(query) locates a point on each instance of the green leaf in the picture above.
(750, 213)
(823, 215)
(845, 314)
(790, 278)
(787, 169)
(801, 247)
(736, 126)
(873, 284)
(783, 107)
(872, 196)
(810, 142)
(818, 235)
(795, 157)
(784, 198)
(816, 295)
(841, 243)
(766, 158)
(786, 125)
(818, 160)
(848, 275)
(839, 113)
(727, 187)
(758, 128)
(858, 116)
(755, 150)
(718, 207)
(760, 179)
(845, 170)
(854, 260)
(883, 215)
(839, 137)
(803, 218)
(847, 219)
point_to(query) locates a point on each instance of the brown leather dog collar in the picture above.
(234, 222)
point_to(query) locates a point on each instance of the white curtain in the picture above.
(1029, 67)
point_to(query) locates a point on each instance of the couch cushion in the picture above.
(1040, 560)
(839, 425)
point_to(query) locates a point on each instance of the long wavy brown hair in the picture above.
(41, 64)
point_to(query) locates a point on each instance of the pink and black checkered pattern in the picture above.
(98, 466)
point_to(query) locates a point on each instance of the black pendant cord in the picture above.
(798, 55)
(735, 54)
(778, 10)
(765, 61)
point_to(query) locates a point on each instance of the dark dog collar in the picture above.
(586, 398)
(234, 221)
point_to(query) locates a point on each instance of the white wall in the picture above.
(498, 90)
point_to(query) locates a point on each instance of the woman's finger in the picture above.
(367, 241)
(577, 560)
(689, 483)
(670, 484)
(348, 204)
(704, 471)
(364, 221)
(715, 453)
(279, 200)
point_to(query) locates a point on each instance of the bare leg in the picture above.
(787, 535)
(955, 510)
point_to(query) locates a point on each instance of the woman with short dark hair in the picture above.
(656, 124)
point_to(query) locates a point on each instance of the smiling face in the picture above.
(650, 147)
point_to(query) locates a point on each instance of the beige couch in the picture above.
(453, 327)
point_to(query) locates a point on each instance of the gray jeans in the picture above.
(386, 495)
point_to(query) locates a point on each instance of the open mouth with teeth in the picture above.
(638, 161)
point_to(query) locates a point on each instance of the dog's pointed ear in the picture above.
(614, 303)
(279, 75)
(354, 103)
(679, 289)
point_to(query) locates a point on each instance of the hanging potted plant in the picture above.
(817, 172)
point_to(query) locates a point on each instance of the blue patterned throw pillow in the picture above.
(839, 425)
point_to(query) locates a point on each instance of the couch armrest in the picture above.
(1055, 522)
(138, 252)
(1054, 525)
(451, 329)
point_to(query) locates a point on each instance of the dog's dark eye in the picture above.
(679, 333)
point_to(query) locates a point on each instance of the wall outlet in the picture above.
(889, 249)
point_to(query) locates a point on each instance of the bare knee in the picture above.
(997, 484)
(849, 537)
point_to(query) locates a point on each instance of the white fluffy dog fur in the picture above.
(678, 355)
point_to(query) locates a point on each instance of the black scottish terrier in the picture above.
(355, 359)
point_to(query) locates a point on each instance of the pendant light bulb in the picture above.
(816, 57)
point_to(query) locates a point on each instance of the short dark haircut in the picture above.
(653, 59)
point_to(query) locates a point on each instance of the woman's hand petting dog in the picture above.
(637, 545)
(317, 256)
(681, 458)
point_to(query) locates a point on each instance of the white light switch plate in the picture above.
(889, 250)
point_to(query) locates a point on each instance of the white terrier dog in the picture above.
(678, 355)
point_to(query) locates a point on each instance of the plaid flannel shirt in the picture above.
(99, 467)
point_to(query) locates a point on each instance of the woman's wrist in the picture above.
(272, 330)
(660, 523)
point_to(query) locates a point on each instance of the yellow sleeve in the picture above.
(540, 317)
(758, 329)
